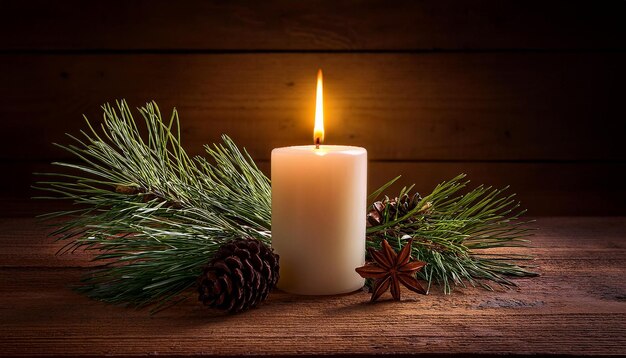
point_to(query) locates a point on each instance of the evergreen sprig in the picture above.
(155, 216)
(452, 232)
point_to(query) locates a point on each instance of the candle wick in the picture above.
(317, 143)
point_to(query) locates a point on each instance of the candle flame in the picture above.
(318, 131)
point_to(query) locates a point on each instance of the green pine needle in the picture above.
(154, 216)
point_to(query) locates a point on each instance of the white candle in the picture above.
(318, 214)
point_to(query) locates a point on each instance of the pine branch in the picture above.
(154, 216)
(452, 233)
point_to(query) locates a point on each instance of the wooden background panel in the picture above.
(496, 106)
(543, 188)
(310, 25)
(527, 94)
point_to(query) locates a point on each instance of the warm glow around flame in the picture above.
(318, 131)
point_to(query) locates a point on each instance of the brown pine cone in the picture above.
(241, 275)
(394, 206)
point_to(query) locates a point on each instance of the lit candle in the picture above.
(318, 208)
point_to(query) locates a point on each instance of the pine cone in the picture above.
(400, 206)
(241, 275)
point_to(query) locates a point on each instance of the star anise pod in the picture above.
(390, 270)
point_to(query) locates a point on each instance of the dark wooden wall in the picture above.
(528, 93)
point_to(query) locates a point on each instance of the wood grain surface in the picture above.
(310, 25)
(528, 94)
(576, 307)
(470, 107)
(542, 188)
(550, 131)
(525, 94)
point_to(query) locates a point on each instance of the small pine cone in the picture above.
(394, 206)
(241, 275)
(128, 190)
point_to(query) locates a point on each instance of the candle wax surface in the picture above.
(318, 217)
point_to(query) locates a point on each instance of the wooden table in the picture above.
(577, 306)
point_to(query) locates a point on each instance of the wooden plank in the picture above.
(507, 106)
(44, 317)
(543, 188)
(311, 25)
(576, 307)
